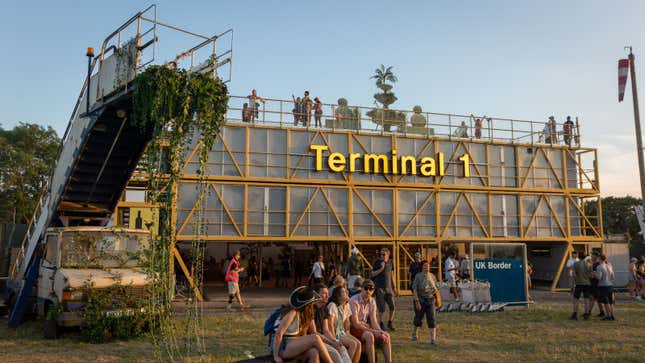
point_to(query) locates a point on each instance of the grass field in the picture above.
(539, 334)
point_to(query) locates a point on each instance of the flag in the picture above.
(623, 69)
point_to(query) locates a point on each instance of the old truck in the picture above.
(76, 259)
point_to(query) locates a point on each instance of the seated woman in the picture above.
(295, 333)
(339, 313)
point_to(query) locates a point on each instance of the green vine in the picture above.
(128, 319)
(171, 105)
(126, 56)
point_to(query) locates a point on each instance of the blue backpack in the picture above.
(270, 322)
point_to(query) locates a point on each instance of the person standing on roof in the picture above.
(254, 104)
(567, 131)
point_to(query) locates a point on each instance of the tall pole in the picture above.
(637, 121)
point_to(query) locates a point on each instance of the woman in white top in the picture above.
(339, 313)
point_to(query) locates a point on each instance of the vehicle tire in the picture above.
(51, 330)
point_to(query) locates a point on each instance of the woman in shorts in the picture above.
(292, 338)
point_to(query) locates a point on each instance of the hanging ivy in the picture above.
(172, 105)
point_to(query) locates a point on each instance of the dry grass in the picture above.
(538, 334)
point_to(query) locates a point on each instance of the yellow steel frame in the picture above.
(393, 183)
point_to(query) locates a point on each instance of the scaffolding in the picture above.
(263, 187)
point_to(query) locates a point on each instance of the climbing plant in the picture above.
(171, 105)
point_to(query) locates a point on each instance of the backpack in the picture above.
(270, 322)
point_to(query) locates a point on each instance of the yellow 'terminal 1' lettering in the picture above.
(466, 160)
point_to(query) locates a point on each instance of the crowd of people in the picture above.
(593, 280)
(339, 319)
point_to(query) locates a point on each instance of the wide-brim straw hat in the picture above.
(303, 296)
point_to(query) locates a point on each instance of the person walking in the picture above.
(232, 278)
(451, 265)
(354, 268)
(425, 289)
(318, 270)
(382, 274)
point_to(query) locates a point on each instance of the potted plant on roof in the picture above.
(384, 116)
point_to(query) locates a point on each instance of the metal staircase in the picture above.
(100, 148)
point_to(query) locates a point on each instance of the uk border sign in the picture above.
(503, 265)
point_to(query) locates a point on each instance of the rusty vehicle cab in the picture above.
(76, 259)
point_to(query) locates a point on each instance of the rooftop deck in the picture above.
(371, 120)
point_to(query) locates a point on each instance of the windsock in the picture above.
(623, 69)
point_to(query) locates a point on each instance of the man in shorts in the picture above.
(582, 275)
(382, 274)
(595, 262)
(232, 278)
(451, 265)
(605, 275)
(365, 327)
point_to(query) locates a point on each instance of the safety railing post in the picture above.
(281, 113)
(449, 127)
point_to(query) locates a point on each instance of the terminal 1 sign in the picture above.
(386, 164)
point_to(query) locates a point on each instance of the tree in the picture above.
(617, 215)
(27, 157)
(383, 75)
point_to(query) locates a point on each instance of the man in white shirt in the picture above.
(570, 262)
(318, 270)
(451, 265)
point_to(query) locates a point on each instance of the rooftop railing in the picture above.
(285, 114)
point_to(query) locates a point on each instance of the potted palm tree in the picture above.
(384, 116)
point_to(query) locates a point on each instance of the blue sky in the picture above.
(513, 59)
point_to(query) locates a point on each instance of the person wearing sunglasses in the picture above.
(364, 324)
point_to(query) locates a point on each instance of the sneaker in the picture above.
(432, 342)
(414, 337)
(601, 315)
(228, 307)
(574, 316)
(612, 318)
(390, 326)
(607, 318)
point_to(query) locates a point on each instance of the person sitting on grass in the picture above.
(424, 288)
(365, 326)
(295, 332)
(339, 325)
(321, 318)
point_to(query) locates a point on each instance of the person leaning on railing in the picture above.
(254, 105)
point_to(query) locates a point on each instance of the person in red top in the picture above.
(232, 278)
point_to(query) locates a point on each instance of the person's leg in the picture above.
(576, 301)
(389, 299)
(430, 319)
(416, 322)
(386, 346)
(313, 356)
(334, 354)
(353, 346)
(300, 345)
(380, 305)
(368, 346)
